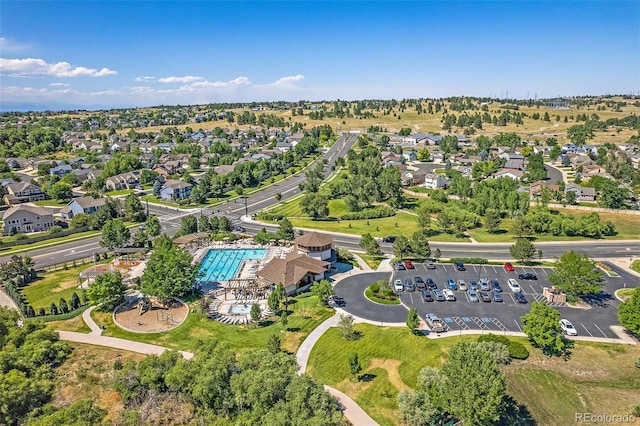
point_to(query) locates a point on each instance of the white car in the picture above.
(513, 285)
(448, 294)
(398, 286)
(568, 328)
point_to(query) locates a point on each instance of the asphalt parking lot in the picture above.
(505, 316)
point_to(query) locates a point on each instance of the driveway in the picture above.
(351, 290)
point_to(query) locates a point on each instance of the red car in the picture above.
(408, 264)
(508, 267)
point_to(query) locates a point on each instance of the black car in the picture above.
(389, 239)
(496, 286)
(520, 297)
(528, 276)
(419, 282)
(431, 284)
(484, 295)
(460, 266)
(496, 296)
(427, 296)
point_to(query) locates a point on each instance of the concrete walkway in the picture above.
(86, 317)
(6, 301)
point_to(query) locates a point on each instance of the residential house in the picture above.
(582, 193)
(61, 170)
(635, 161)
(433, 139)
(122, 181)
(438, 157)
(86, 205)
(82, 174)
(516, 164)
(283, 146)
(296, 272)
(535, 189)
(26, 219)
(435, 181)
(509, 173)
(581, 160)
(410, 155)
(175, 190)
(22, 192)
(412, 178)
(224, 169)
(316, 245)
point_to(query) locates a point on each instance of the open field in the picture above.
(596, 377)
(305, 316)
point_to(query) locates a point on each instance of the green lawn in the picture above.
(597, 375)
(51, 203)
(306, 316)
(120, 192)
(636, 265)
(372, 261)
(54, 285)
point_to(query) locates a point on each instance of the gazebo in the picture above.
(197, 240)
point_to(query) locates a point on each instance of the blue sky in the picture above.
(121, 54)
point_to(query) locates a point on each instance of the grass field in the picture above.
(50, 203)
(636, 265)
(306, 316)
(596, 377)
(372, 261)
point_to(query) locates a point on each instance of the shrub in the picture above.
(638, 362)
(271, 216)
(374, 213)
(20, 236)
(494, 338)
(517, 350)
(470, 260)
(55, 229)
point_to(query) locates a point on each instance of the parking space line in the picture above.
(600, 330)
(444, 267)
(586, 329)
(517, 325)
(544, 271)
(497, 322)
(479, 323)
(512, 299)
(461, 323)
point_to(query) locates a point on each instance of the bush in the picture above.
(374, 213)
(271, 216)
(55, 229)
(470, 260)
(494, 338)
(638, 362)
(20, 236)
(517, 350)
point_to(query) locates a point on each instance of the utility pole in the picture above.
(246, 208)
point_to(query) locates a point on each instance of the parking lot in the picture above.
(463, 314)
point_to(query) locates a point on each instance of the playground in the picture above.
(144, 314)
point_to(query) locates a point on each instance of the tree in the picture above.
(106, 288)
(420, 244)
(370, 245)
(412, 319)
(417, 408)
(401, 247)
(255, 313)
(315, 205)
(346, 327)
(424, 215)
(520, 228)
(61, 191)
(273, 344)
(571, 197)
(64, 308)
(492, 220)
(354, 365)
(169, 272)
(239, 189)
(542, 327)
(114, 234)
(437, 254)
(629, 312)
(157, 186)
(523, 250)
(286, 231)
(473, 384)
(576, 275)
(203, 224)
(323, 289)
(284, 319)
(189, 225)
(133, 209)
(75, 301)
(152, 226)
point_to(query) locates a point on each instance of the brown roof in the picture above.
(314, 239)
(87, 202)
(290, 270)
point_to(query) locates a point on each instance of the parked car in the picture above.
(451, 284)
(508, 267)
(568, 328)
(473, 284)
(520, 297)
(495, 295)
(408, 264)
(431, 283)
(389, 239)
(448, 294)
(528, 276)
(514, 285)
(485, 296)
(431, 265)
(484, 284)
(438, 295)
(496, 285)
(459, 266)
(462, 285)
(473, 295)
(427, 296)
(399, 266)
(398, 286)
(408, 285)
(435, 324)
(419, 282)
(239, 228)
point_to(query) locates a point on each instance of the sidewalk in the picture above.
(6, 301)
(86, 317)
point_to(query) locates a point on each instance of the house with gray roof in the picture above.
(26, 219)
(22, 192)
(175, 190)
(86, 205)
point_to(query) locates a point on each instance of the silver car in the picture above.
(462, 285)
(473, 295)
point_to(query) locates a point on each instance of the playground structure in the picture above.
(143, 314)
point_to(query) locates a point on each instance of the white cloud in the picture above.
(39, 67)
(290, 79)
(145, 78)
(60, 84)
(184, 79)
(7, 45)
(236, 82)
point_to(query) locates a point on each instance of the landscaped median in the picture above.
(381, 292)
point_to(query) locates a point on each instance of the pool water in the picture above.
(240, 309)
(223, 265)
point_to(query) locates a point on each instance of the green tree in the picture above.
(370, 245)
(571, 197)
(169, 272)
(61, 191)
(274, 344)
(133, 209)
(114, 234)
(542, 327)
(473, 384)
(523, 250)
(239, 189)
(152, 226)
(284, 319)
(576, 275)
(420, 244)
(437, 254)
(286, 231)
(629, 312)
(255, 313)
(189, 225)
(492, 220)
(323, 289)
(417, 408)
(346, 327)
(412, 319)
(354, 365)
(106, 288)
(80, 413)
(315, 206)
(401, 247)
(424, 217)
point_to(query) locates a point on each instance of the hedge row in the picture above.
(61, 317)
(470, 260)
(374, 213)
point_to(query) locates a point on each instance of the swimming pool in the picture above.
(223, 265)
(240, 309)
